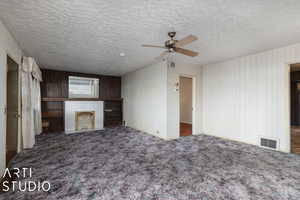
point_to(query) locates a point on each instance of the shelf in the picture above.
(49, 99)
(52, 114)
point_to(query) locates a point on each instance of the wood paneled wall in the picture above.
(55, 84)
(54, 91)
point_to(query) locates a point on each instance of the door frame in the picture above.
(8, 56)
(287, 102)
(287, 95)
(194, 94)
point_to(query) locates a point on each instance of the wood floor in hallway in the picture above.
(295, 139)
(185, 129)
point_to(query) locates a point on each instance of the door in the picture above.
(12, 109)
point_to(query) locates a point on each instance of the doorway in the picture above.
(186, 105)
(12, 109)
(295, 107)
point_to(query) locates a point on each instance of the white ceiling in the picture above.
(88, 36)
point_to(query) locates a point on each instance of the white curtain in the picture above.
(31, 77)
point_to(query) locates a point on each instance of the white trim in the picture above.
(194, 95)
(287, 112)
(194, 131)
(186, 122)
(287, 92)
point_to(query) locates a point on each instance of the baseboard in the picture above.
(186, 122)
(146, 132)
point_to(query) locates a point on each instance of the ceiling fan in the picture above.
(174, 45)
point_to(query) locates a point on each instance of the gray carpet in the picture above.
(122, 163)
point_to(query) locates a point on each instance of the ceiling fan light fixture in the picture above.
(170, 60)
(172, 64)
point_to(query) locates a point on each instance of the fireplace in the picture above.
(85, 120)
(83, 116)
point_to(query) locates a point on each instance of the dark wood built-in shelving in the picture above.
(54, 92)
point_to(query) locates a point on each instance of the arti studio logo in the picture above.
(23, 186)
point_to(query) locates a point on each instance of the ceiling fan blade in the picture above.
(156, 46)
(186, 52)
(186, 40)
(162, 55)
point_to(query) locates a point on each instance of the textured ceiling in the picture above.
(89, 35)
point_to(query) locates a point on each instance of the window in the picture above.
(82, 87)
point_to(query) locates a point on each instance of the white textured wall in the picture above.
(186, 99)
(145, 99)
(7, 46)
(249, 96)
(173, 105)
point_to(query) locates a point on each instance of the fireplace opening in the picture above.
(85, 120)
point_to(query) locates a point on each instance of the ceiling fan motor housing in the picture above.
(172, 34)
(170, 44)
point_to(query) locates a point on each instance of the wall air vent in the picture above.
(269, 143)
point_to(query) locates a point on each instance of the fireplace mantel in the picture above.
(71, 107)
(58, 99)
